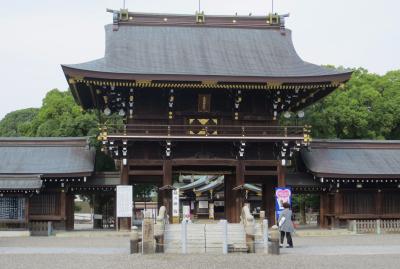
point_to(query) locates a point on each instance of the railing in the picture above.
(148, 130)
(375, 226)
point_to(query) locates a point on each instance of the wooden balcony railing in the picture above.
(207, 132)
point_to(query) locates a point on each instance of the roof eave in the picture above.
(72, 72)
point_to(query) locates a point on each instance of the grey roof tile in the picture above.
(341, 162)
(202, 51)
(45, 156)
(21, 182)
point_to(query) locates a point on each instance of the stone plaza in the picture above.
(111, 250)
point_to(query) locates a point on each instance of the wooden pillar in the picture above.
(27, 212)
(281, 175)
(378, 203)
(323, 209)
(230, 205)
(166, 195)
(70, 210)
(62, 205)
(268, 200)
(124, 223)
(338, 209)
(238, 194)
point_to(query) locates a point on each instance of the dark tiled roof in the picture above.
(354, 158)
(103, 179)
(46, 156)
(20, 182)
(202, 51)
(301, 180)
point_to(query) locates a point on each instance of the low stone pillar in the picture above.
(148, 235)
(265, 235)
(224, 224)
(275, 238)
(134, 241)
(184, 237)
(378, 226)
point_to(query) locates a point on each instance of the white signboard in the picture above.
(203, 204)
(124, 201)
(175, 203)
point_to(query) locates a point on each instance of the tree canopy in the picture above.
(17, 123)
(59, 116)
(367, 107)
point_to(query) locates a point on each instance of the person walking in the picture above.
(286, 225)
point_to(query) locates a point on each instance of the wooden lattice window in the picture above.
(391, 203)
(358, 203)
(45, 204)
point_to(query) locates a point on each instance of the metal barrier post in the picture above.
(265, 235)
(184, 236)
(224, 224)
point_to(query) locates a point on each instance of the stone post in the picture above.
(378, 226)
(148, 235)
(134, 241)
(265, 235)
(275, 237)
(224, 224)
(184, 236)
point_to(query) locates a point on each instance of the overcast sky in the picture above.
(37, 36)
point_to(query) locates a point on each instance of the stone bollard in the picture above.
(378, 226)
(134, 241)
(265, 235)
(184, 236)
(275, 238)
(159, 243)
(148, 246)
(224, 224)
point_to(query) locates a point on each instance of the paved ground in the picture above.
(359, 251)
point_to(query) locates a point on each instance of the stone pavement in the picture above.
(357, 251)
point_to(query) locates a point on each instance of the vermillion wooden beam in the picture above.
(166, 195)
(124, 175)
(203, 162)
(145, 162)
(260, 173)
(281, 175)
(261, 162)
(146, 172)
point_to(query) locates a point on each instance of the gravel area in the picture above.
(360, 251)
(68, 261)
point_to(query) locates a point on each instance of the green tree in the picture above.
(367, 107)
(17, 123)
(60, 116)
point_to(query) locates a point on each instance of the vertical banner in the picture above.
(124, 201)
(282, 195)
(175, 205)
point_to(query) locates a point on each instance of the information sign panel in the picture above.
(124, 201)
